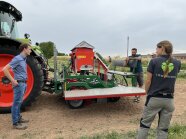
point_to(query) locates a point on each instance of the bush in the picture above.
(47, 48)
(183, 66)
(182, 75)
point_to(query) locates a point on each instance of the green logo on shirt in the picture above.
(170, 66)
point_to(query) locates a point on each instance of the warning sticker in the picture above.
(81, 56)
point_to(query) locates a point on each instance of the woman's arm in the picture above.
(148, 81)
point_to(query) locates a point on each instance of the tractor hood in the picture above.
(8, 8)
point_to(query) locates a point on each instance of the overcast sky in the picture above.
(105, 24)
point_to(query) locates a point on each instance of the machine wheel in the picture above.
(75, 104)
(34, 82)
(113, 99)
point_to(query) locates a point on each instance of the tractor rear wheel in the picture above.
(34, 82)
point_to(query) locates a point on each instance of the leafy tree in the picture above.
(61, 54)
(47, 48)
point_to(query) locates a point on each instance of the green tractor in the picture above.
(9, 43)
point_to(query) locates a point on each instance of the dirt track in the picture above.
(50, 117)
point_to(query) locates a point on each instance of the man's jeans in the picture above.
(19, 91)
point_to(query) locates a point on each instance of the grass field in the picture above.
(175, 132)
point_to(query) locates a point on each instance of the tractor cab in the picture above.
(9, 15)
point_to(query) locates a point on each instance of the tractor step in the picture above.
(118, 91)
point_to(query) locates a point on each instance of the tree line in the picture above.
(48, 49)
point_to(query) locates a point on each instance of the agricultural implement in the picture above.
(87, 77)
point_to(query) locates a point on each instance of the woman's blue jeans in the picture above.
(19, 91)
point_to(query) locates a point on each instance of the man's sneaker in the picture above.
(21, 120)
(19, 126)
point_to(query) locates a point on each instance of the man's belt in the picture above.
(21, 81)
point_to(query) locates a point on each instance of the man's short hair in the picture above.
(23, 46)
(134, 49)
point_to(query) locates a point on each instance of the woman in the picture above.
(161, 76)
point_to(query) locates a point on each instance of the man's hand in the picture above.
(14, 83)
(8, 75)
(127, 58)
(138, 58)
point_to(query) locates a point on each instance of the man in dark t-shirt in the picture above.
(134, 62)
(161, 76)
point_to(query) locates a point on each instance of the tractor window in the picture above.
(8, 26)
(5, 29)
